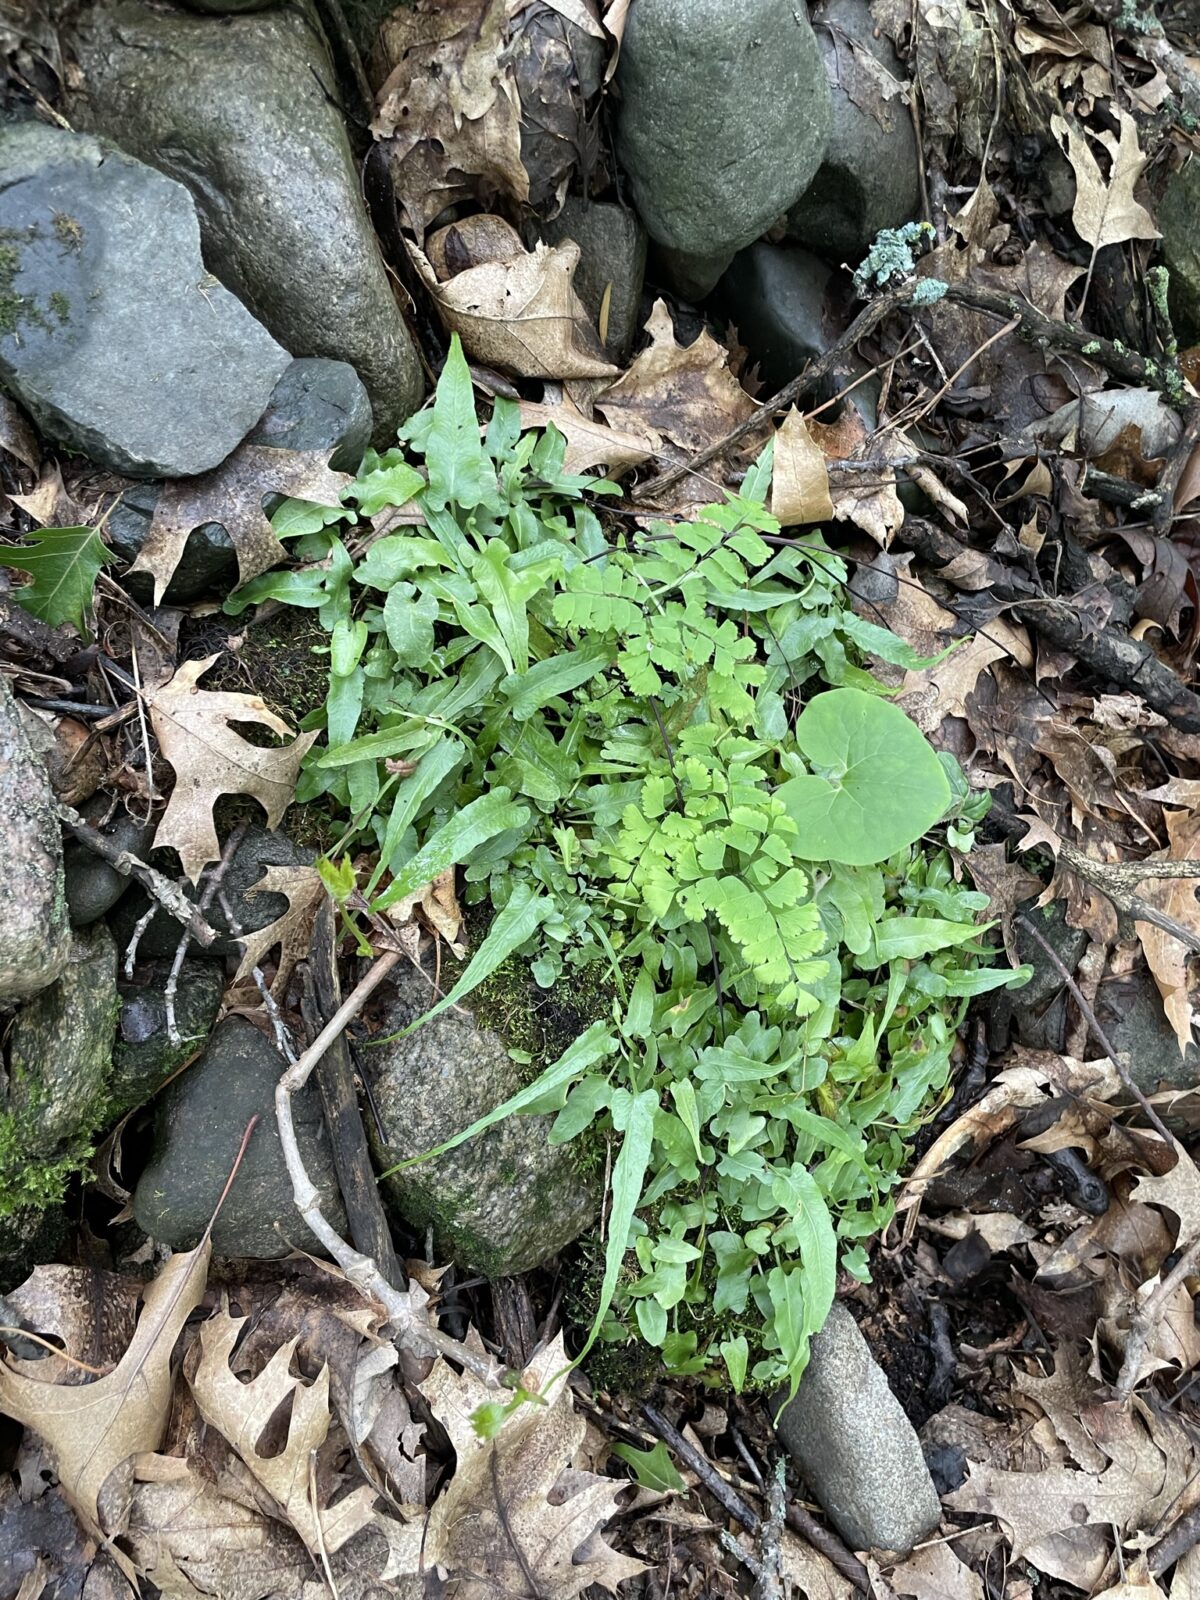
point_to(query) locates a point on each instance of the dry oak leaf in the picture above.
(800, 479)
(1137, 1584)
(1167, 958)
(292, 932)
(232, 494)
(520, 313)
(1105, 209)
(94, 1430)
(873, 506)
(209, 759)
(936, 1573)
(1179, 1191)
(501, 1527)
(240, 1411)
(1034, 1505)
(591, 443)
(685, 393)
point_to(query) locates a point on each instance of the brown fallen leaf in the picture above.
(292, 932)
(520, 312)
(1137, 1584)
(1007, 884)
(209, 759)
(516, 1519)
(1179, 1191)
(1167, 958)
(931, 694)
(435, 906)
(232, 494)
(17, 436)
(869, 500)
(686, 394)
(94, 1430)
(449, 113)
(1105, 210)
(800, 479)
(936, 1573)
(240, 1412)
(591, 443)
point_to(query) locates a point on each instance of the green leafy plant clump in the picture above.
(659, 754)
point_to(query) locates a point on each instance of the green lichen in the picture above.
(1091, 348)
(891, 255)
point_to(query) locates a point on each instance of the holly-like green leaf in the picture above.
(62, 563)
(653, 1469)
(877, 783)
(459, 472)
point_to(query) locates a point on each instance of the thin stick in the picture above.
(1147, 1319)
(1102, 1038)
(1116, 880)
(405, 1309)
(798, 1519)
(215, 876)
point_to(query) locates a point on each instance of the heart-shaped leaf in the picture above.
(876, 784)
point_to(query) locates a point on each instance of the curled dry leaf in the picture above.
(590, 443)
(94, 1430)
(800, 480)
(1168, 959)
(449, 113)
(515, 1518)
(520, 313)
(241, 1411)
(232, 494)
(686, 395)
(1179, 1191)
(869, 500)
(936, 1573)
(193, 727)
(436, 906)
(292, 932)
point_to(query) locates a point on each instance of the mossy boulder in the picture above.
(508, 1200)
(34, 935)
(1179, 222)
(143, 1056)
(59, 1066)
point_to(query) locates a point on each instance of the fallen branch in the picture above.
(1177, 1542)
(405, 1309)
(798, 1519)
(169, 895)
(1117, 881)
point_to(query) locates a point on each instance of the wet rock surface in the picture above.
(143, 1055)
(858, 1452)
(239, 109)
(113, 335)
(612, 261)
(501, 1203)
(93, 887)
(34, 935)
(870, 177)
(724, 118)
(198, 1127)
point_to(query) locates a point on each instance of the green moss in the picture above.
(539, 1023)
(60, 306)
(69, 231)
(29, 1178)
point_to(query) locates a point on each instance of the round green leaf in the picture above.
(876, 784)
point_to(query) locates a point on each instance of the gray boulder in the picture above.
(60, 1055)
(112, 334)
(612, 259)
(870, 178)
(501, 1203)
(258, 850)
(34, 932)
(1178, 221)
(724, 118)
(93, 887)
(143, 1055)
(316, 405)
(778, 298)
(1130, 1010)
(239, 109)
(198, 1127)
(854, 1446)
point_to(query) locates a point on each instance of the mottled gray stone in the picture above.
(60, 1055)
(197, 1130)
(93, 887)
(1178, 220)
(239, 109)
(501, 1203)
(691, 276)
(777, 297)
(870, 177)
(1130, 1010)
(316, 405)
(112, 334)
(258, 850)
(612, 251)
(28, 1238)
(1038, 1010)
(856, 1449)
(724, 118)
(34, 931)
(143, 1055)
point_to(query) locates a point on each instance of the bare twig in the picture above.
(1147, 1319)
(215, 875)
(410, 1327)
(1118, 879)
(797, 1518)
(1102, 1038)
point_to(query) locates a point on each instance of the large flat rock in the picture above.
(113, 335)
